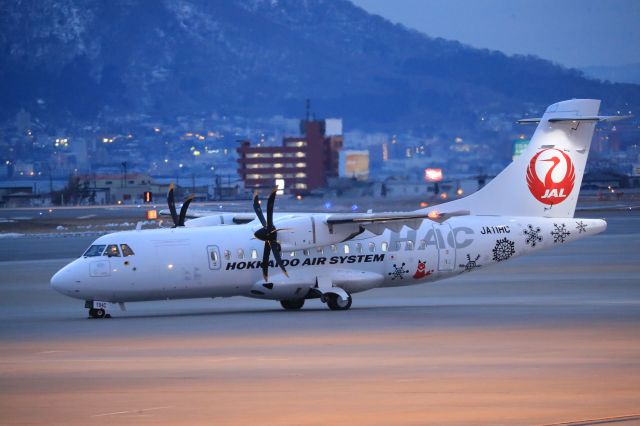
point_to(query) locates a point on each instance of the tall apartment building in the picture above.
(303, 163)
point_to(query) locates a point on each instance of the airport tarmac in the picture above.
(552, 338)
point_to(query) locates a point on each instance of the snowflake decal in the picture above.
(503, 250)
(532, 235)
(560, 233)
(398, 272)
(581, 227)
(471, 264)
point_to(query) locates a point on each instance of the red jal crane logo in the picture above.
(558, 180)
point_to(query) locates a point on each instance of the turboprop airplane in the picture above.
(292, 257)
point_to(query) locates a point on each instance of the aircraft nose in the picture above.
(64, 281)
(58, 281)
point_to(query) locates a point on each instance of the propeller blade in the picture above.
(275, 247)
(258, 209)
(172, 205)
(265, 261)
(183, 210)
(270, 203)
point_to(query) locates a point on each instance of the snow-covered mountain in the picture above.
(166, 58)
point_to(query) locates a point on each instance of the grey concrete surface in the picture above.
(549, 338)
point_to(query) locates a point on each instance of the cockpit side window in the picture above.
(112, 251)
(126, 250)
(94, 250)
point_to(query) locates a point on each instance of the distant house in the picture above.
(118, 189)
(604, 179)
(12, 196)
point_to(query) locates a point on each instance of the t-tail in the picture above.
(545, 179)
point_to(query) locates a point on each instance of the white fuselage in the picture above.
(223, 261)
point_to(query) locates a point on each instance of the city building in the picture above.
(519, 145)
(354, 164)
(303, 163)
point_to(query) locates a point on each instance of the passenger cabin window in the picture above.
(334, 248)
(94, 250)
(112, 251)
(254, 254)
(320, 250)
(240, 254)
(384, 246)
(409, 245)
(398, 245)
(372, 247)
(346, 249)
(423, 244)
(305, 252)
(359, 247)
(227, 255)
(126, 250)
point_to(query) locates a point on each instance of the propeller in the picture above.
(268, 233)
(178, 220)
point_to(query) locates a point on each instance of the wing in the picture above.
(379, 222)
(210, 218)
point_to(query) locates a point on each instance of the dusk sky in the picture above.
(574, 33)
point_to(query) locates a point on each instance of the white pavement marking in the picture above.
(142, 410)
(88, 216)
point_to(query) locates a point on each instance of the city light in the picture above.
(432, 175)
(61, 142)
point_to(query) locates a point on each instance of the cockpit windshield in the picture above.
(94, 250)
(126, 250)
(112, 250)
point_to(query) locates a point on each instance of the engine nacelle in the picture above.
(308, 231)
(220, 219)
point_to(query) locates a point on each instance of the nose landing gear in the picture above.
(97, 309)
(98, 313)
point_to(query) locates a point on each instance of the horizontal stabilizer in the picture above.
(576, 119)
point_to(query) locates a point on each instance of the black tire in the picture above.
(292, 304)
(97, 313)
(335, 302)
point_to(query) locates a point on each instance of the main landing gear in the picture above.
(293, 304)
(336, 303)
(333, 301)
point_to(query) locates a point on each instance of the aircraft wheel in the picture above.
(97, 313)
(335, 302)
(292, 304)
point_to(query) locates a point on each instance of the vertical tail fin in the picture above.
(545, 180)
